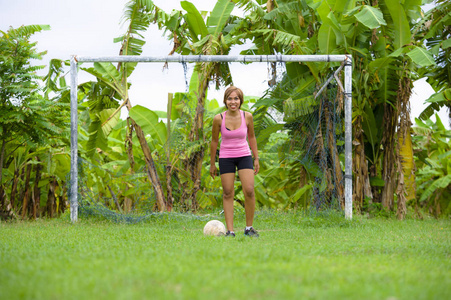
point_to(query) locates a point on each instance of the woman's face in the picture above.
(233, 101)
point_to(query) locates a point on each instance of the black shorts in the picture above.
(230, 165)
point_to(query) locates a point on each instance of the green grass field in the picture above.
(167, 257)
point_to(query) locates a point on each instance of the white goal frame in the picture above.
(346, 59)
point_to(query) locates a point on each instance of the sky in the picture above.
(88, 28)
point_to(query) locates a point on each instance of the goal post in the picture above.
(346, 59)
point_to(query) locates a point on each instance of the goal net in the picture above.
(301, 133)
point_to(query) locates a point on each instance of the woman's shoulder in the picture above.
(217, 117)
(247, 115)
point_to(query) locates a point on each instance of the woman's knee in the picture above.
(249, 193)
(226, 193)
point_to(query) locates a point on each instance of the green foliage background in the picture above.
(387, 41)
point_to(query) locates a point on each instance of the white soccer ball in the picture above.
(214, 227)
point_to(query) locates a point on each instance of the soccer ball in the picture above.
(214, 227)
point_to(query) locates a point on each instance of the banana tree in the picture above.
(104, 110)
(383, 41)
(193, 35)
(172, 140)
(433, 151)
(435, 30)
(110, 93)
(291, 27)
(379, 37)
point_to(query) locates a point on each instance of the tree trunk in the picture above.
(151, 170)
(129, 146)
(405, 161)
(37, 192)
(23, 171)
(375, 190)
(51, 198)
(368, 193)
(359, 161)
(63, 200)
(338, 176)
(320, 152)
(128, 202)
(169, 187)
(389, 163)
(270, 5)
(361, 186)
(184, 196)
(3, 214)
(170, 199)
(14, 187)
(116, 202)
(197, 135)
(2, 157)
(6, 210)
(26, 197)
(303, 180)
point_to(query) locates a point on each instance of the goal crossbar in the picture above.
(216, 58)
(75, 60)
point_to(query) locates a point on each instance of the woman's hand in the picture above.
(256, 166)
(213, 171)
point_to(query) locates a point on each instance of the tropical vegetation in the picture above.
(33, 129)
(134, 164)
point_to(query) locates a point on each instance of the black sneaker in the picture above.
(229, 233)
(251, 232)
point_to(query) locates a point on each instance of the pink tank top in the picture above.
(234, 142)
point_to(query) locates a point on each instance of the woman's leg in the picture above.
(228, 192)
(247, 182)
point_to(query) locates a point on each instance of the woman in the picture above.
(234, 154)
